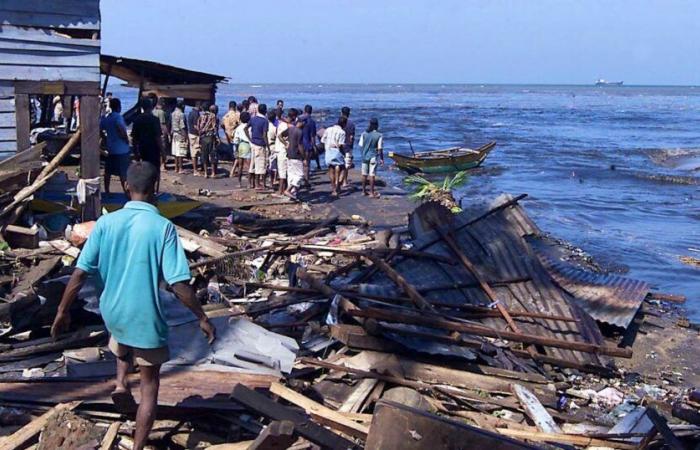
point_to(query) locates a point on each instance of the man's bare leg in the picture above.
(146, 414)
(107, 180)
(123, 368)
(334, 175)
(364, 185)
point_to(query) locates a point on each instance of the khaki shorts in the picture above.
(195, 148)
(141, 356)
(282, 165)
(369, 168)
(258, 165)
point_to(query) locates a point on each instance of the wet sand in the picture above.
(390, 210)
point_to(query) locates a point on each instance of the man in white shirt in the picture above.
(334, 141)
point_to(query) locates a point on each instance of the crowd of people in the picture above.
(270, 148)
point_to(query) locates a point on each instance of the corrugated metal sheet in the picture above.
(65, 14)
(607, 298)
(496, 246)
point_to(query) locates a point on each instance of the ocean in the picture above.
(613, 170)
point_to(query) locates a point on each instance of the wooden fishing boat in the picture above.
(439, 161)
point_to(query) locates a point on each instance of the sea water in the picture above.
(614, 170)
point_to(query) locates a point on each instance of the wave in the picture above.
(686, 159)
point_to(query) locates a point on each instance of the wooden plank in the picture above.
(22, 118)
(7, 134)
(355, 401)
(40, 19)
(39, 73)
(49, 58)
(206, 246)
(633, 422)
(7, 104)
(58, 87)
(535, 411)
(23, 436)
(7, 119)
(576, 439)
(8, 148)
(84, 8)
(398, 427)
(55, 47)
(662, 427)
(111, 436)
(321, 413)
(90, 151)
(178, 388)
(279, 435)
(11, 33)
(306, 428)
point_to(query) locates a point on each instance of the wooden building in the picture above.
(50, 49)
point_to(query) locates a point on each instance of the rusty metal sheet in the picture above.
(496, 246)
(608, 298)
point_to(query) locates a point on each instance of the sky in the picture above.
(647, 42)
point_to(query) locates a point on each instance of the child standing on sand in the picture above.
(242, 140)
(371, 144)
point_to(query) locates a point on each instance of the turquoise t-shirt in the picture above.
(130, 251)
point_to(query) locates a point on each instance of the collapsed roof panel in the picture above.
(163, 79)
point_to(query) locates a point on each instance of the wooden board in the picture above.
(305, 427)
(27, 433)
(14, 71)
(11, 33)
(398, 427)
(22, 117)
(57, 87)
(90, 150)
(534, 409)
(323, 414)
(196, 389)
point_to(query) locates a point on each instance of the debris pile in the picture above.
(456, 329)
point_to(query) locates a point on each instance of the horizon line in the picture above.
(261, 83)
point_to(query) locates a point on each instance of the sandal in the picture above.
(124, 402)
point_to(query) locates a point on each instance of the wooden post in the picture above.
(22, 121)
(90, 150)
(104, 86)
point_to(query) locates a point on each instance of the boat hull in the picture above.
(442, 164)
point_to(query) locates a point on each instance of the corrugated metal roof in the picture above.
(607, 298)
(155, 72)
(495, 245)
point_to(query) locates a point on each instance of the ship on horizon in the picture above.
(604, 82)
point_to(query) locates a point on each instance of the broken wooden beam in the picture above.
(399, 427)
(534, 410)
(20, 438)
(320, 413)
(305, 427)
(576, 439)
(278, 435)
(111, 436)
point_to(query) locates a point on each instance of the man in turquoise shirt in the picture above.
(130, 251)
